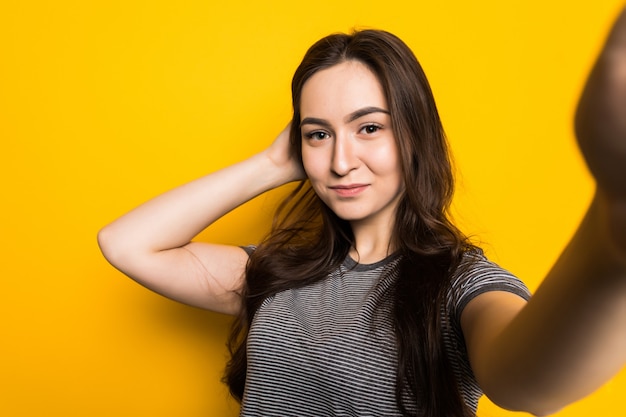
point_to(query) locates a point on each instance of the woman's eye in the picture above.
(369, 129)
(317, 135)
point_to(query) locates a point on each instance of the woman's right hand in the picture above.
(153, 243)
(281, 154)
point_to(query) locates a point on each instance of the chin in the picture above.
(350, 215)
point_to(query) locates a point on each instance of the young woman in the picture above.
(365, 299)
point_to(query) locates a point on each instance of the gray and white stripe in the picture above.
(328, 349)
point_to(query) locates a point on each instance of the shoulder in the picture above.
(249, 249)
(476, 275)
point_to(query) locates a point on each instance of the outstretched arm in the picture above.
(152, 244)
(571, 337)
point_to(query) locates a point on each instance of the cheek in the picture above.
(312, 163)
(386, 161)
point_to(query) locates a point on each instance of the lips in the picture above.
(349, 190)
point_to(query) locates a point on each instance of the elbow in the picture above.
(111, 245)
(105, 238)
(127, 254)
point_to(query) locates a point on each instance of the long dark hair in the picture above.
(308, 240)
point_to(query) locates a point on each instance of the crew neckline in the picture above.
(353, 265)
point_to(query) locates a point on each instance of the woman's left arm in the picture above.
(570, 338)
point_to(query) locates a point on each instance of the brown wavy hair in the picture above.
(308, 241)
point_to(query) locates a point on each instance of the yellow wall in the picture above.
(106, 103)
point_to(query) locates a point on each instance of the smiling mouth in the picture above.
(349, 190)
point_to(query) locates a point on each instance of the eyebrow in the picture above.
(364, 112)
(357, 114)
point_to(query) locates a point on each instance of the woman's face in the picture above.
(349, 151)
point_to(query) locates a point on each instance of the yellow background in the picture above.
(104, 104)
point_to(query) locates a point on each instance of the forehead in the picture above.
(340, 90)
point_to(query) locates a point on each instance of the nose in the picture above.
(345, 157)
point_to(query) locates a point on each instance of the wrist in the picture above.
(278, 172)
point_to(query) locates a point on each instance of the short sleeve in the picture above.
(249, 249)
(477, 275)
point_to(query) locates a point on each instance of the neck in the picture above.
(372, 243)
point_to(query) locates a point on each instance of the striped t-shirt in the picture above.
(328, 349)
